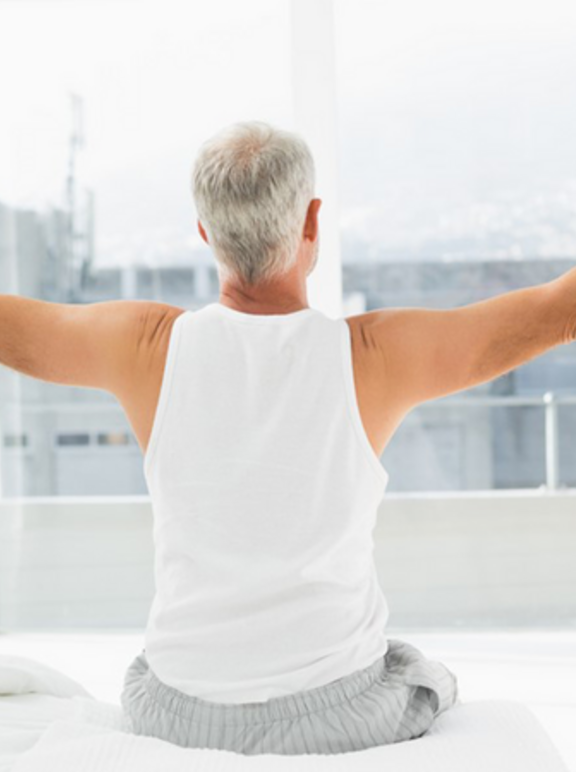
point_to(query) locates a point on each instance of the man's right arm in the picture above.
(426, 354)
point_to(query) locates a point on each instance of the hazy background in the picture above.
(456, 120)
(157, 78)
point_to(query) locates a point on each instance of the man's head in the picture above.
(253, 186)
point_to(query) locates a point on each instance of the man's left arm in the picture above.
(95, 345)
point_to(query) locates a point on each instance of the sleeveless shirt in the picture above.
(264, 490)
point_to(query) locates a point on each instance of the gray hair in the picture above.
(252, 186)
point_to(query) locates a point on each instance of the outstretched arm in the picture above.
(430, 353)
(96, 345)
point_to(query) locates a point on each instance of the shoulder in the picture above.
(157, 320)
(144, 349)
(366, 333)
(366, 345)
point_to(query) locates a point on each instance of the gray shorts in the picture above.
(393, 700)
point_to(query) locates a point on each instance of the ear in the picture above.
(311, 224)
(202, 232)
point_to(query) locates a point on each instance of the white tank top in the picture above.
(265, 490)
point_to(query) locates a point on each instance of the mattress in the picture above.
(49, 721)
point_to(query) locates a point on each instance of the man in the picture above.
(262, 422)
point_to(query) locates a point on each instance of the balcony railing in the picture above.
(549, 400)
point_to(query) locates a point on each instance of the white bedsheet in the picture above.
(53, 723)
(33, 696)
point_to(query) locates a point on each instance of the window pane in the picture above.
(73, 439)
(114, 438)
(15, 440)
(105, 104)
(458, 183)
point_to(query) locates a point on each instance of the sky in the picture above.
(156, 78)
(450, 114)
(457, 122)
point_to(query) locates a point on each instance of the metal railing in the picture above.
(549, 400)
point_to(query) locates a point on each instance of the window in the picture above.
(458, 182)
(75, 439)
(105, 104)
(15, 440)
(114, 439)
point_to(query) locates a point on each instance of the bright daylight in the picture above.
(288, 385)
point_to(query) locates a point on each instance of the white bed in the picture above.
(49, 721)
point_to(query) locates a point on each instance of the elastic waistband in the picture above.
(276, 708)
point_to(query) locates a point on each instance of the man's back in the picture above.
(265, 492)
(379, 419)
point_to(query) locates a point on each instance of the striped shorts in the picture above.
(393, 700)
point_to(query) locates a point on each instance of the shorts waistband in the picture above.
(276, 708)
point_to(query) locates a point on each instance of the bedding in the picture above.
(48, 721)
(33, 696)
